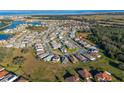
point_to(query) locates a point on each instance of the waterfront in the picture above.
(1, 24)
(13, 25)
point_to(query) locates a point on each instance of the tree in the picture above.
(18, 60)
(121, 66)
(110, 39)
(120, 57)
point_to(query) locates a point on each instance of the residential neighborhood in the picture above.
(6, 76)
(64, 48)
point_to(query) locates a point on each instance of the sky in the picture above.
(61, 4)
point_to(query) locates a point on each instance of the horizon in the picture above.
(56, 12)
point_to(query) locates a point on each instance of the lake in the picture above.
(1, 24)
(14, 25)
(5, 36)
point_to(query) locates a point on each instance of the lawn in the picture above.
(72, 50)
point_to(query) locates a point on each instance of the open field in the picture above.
(35, 70)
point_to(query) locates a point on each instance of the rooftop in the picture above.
(21, 79)
(72, 79)
(85, 73)
(3, 73)
(1, 68)
(105, 76)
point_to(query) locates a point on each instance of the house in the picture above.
(63, 49)
(21, 79)
(9, 78)
(55, 45)
(48, 58)
(39, 47)
(71, 59)
(76, 39)
(98, 55)
(103, 77)
(39, 52)
(64, 60)
(3, 73)
(91, 58)
(72, 79)
(85, 74)
(80, 57)
(87, 46)
(1, 68)
(68, 44)
(43, 55)
(55, 58)
(93, 49)
(82, 43)
(95, 55)
(72, 34)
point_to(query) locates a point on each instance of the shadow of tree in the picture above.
(67, 74)
(114, 64)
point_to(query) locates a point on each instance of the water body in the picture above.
(14, 25)
(5, 36)
(1, 24)
(46, 12)
(55, 12)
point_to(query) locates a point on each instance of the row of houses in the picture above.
(64, 44)
(75, 24)
(48, 56)
(87, 76)
(24, 40)
(68, 44)
(89, 51)
(6, 76)
(44, 54)
(90, 54)
(55, 44)
(19, 28)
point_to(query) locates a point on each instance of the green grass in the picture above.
(72, 50)
(36, 71)
(57, 51)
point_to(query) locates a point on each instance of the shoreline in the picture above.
(5, 26)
